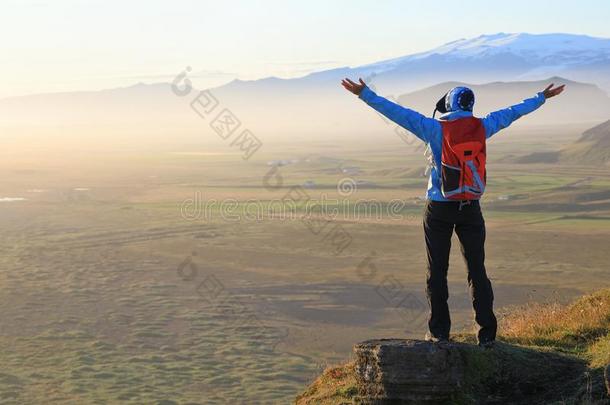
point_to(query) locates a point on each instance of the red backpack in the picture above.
(463, 174)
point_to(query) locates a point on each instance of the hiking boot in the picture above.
(488, 344)
(431, 338)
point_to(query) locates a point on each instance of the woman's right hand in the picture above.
(552, 92)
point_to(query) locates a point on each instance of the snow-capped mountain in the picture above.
(565, 49)
(499, 57)
(484, 59)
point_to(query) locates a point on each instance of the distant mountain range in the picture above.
(487, 58)
(502, 69)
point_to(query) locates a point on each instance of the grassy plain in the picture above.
(116, 288)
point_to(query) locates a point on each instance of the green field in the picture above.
(111, 294)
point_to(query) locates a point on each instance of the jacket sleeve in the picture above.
(420, 125)
(501, 119)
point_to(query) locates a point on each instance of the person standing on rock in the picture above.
(457, 182)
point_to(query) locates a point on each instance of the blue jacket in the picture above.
(429, 130)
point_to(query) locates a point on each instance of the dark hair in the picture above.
(441, 105)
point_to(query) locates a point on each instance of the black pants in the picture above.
(440, 219)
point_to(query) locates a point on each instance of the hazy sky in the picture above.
(64, 45)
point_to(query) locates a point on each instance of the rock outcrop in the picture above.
(412, 370)
(399, 371)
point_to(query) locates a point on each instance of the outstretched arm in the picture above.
(501, 119)
(420, 125)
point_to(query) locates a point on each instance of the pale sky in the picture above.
(66, 45)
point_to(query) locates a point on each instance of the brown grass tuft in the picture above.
(575, 327)
(336, 386)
